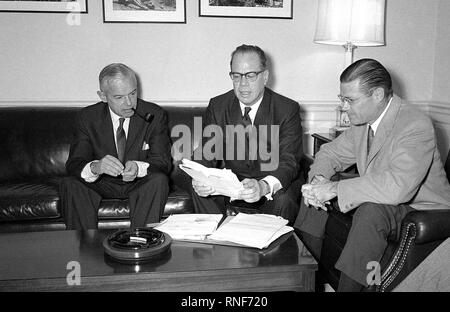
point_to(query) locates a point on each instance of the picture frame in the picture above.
(254, 8)
(144, 11)
(39, 6)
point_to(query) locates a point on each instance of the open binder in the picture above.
(243, 230)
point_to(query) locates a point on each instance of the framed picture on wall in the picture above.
(247, 8)
(51, 6)
(144, 11)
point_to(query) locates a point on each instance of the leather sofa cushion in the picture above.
(40, 200)
(28, 201)
(177, 202)
(113, 209)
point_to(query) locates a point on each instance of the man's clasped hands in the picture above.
(319, 192)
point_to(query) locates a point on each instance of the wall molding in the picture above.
(84, 103)
(311, 109)
(439, 112)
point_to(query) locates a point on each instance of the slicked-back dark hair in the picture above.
(371, 74)
(251, 49)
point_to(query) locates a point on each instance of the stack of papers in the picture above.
(190, 226)
(244, 230)
(252, 230)
(223, 181)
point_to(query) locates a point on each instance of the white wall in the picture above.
(441, 87)
(45, 60)
(440, 104)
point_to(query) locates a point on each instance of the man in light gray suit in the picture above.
(400, 169)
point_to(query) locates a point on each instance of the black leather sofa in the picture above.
(34, 146)
(421, 233)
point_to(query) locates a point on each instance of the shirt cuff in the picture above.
(274, 185)
(87, 174)
(142, 168)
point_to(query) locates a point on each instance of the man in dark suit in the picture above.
(271, 184)
(121, 150)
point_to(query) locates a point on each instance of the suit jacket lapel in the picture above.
(384, 128)
(263, 115)
(361, 141)
(136, 130)
(235, 112)
(106, 126)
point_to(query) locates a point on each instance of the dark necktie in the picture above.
(121, 140)
(246, 119)
(370, 136)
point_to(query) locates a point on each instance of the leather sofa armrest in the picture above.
(430, 225)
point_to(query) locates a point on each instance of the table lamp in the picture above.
(350, 23)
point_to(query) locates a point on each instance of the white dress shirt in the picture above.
(375, 124)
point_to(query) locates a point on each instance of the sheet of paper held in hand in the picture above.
(224, 181)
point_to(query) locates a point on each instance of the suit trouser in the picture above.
(285, 203)
(80, 200)
(373, 225)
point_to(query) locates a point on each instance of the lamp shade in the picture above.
(359, 22)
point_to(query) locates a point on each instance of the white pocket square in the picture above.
(145, 146)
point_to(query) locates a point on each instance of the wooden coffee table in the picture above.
(38, 261)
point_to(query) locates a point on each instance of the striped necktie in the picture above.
(246, 119)
(370, 136)
(121, 140)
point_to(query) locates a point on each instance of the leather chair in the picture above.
(421, 233)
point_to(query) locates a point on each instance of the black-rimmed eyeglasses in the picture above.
(250, 76)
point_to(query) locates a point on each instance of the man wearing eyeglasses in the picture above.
(251, 104)
(400, 169)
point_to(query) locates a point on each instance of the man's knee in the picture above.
(71, 182)
(285, 206)
(371, 214)
(160, 177)
(282, 199)
(157, 179)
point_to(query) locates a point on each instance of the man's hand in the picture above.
(253, 190)
(319, 194)
(309, 197)
(201, 189)
(319, 179)
(109, 165)
(130, 172)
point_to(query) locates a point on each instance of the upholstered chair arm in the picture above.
(430, 225)
(422, 232)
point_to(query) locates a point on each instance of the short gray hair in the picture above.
(113, 71)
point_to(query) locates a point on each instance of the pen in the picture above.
(221, 220)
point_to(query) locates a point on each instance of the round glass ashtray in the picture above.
(138, 245)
